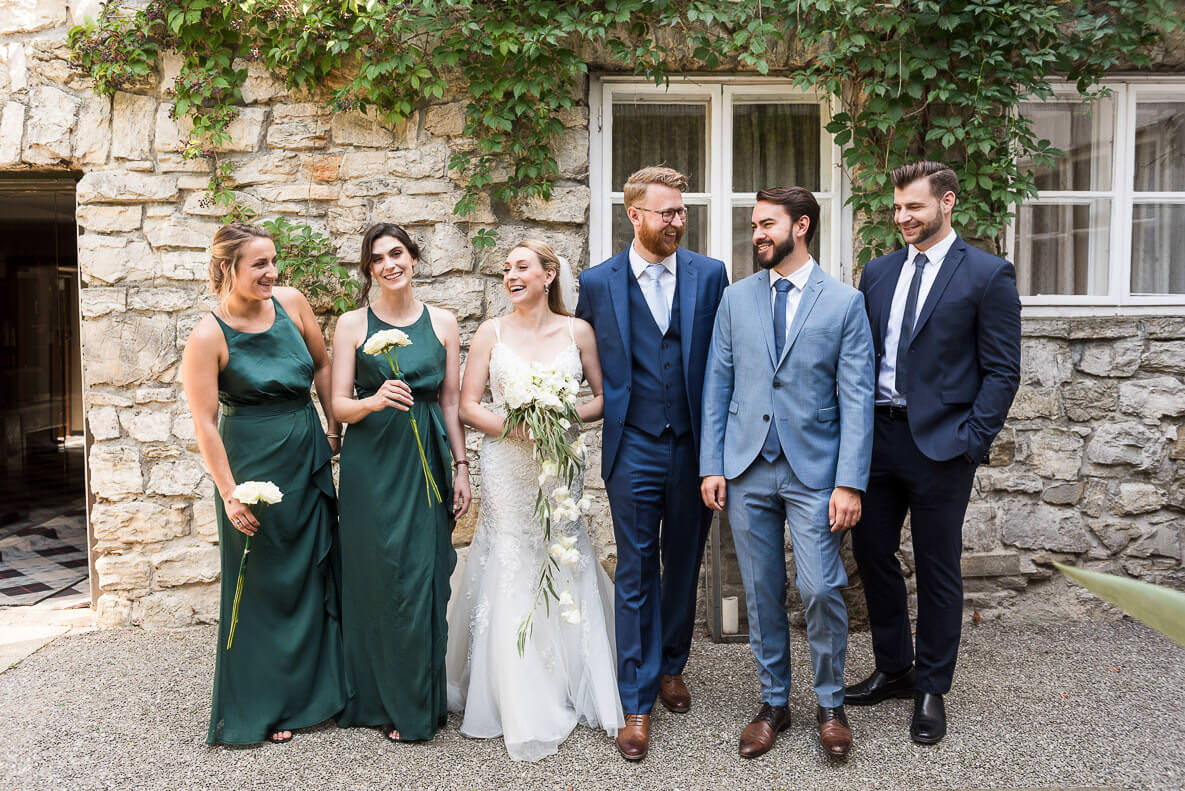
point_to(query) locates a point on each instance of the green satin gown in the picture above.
(397, 552)
(285, 669)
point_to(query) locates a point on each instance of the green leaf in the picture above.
(1161, 608)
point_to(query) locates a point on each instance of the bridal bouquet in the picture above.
(257, 493)
(540, 404)
(387, 343)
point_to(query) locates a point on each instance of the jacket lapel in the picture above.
(887, 286)
(619, 295)
(687, 289)
(946, 272)
(810, 295)
(765, 313)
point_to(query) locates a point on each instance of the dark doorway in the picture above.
(43, 533)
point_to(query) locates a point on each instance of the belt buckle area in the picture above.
(894, 411)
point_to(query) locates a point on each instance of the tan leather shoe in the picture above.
(673, 694)
(834, 732)
(633, 741)
(760, 734)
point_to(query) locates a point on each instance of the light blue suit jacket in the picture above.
(820, 392)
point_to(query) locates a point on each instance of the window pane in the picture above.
(674, 135)
(742, 240)
(775, 145)
(1160, 147)
(1084, 132)
(695, 232)
(1158, 248)
(1063, 248)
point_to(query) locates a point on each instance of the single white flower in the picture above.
(570, 557)
(383, 340)
(253, 492)
(585, 503)
(566, 599)
(571, 616)
(566, 541)
(560, 495)
(557, 551)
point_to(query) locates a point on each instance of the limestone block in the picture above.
(567, 205)
(104, 422)
(345, 220)
(115, 471)
(1164, 328)
(573, 116)
(365, 130)
(175, 477)
(445, 120)
(137, 522)
(202, 205)
(429, 161)
(123, 572)
(464, 296)
(260, 86)
(1111, 358)
(155, 395)
(448, 250)
(92, 138)
(466, 526)
(179, 231)
(162, 299)
(169, 162)
(298, 192)
(375, 186)
(82, 10)
(1152, 398)
(1063, 493)
(184, 265)
(1009, 479)
(108, 219)
(175, 608)
(205, 521)
(1054, 453)
(1161, 540)
(298, 127)
(571, 156)
(186, 564)
(183, 427)
(990, 564)
(414, 209)
(94, 301)
(322, 167)
(114, 186)
(12, 125)
(1138, 498)
(110, 259)
(100, 398)
(1166, 356)
(266, 168)
(1089, 399)
(360, 164)
(981, 533)
(1003, 449)
(28, 16)
(497, 300)
(15, 67)
(245, 130)
(1045, 362)
(52, 113)
(147, 425)
(1125, 443)
(1034, 402)
(112, 611)
(1178, 449)
(1033, 525)
(427, 187)
(128, 348)
(133, 123)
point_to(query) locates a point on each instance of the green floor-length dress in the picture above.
(285, 669)
(397, 552)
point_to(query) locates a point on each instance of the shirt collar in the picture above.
(937, 253)
(799, 278)
(639, 264)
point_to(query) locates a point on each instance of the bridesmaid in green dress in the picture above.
(256, 355)
(397, 552)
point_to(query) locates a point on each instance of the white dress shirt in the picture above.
(798, 279)
(666, 279)
(886, 382)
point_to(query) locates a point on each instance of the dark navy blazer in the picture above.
(964, 357)
(604, 303)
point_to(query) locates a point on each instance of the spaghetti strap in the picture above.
(571, 332)
(498, 330)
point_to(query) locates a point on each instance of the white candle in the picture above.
(729, 614)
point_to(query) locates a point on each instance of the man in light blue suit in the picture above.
(787, 438)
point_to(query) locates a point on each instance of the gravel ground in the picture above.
(1086, 705)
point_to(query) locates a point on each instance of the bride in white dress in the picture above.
(567, 672)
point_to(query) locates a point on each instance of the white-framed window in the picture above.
(1107, 227)
(730, 137)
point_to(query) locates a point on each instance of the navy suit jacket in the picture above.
(964, 357)
(604, 303)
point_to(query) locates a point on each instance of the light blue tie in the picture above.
(656, 300)
(773, 446)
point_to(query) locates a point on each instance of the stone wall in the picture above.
(1091, 467)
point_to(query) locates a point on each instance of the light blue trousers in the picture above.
(761, 501)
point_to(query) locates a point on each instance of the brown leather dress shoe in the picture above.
(633, 741)
(834, 732)
(760, 734)
(673, 694)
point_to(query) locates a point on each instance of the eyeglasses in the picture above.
(667, 214)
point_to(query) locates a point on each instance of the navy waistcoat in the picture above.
(658, 394)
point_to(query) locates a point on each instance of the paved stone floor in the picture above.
(1084, 705)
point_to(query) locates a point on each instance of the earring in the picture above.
(547, 289)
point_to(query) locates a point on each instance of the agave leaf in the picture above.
(1161, 608)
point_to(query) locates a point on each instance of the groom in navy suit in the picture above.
(945, 323)
(652, 307)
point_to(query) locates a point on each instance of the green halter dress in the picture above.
(397, 552)
(285, 669)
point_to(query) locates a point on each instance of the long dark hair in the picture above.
(374, 232)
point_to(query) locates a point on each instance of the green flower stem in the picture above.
(234, 613)
(430, 488)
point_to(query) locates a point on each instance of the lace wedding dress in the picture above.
(567, 673)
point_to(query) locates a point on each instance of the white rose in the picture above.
(383, 340)
(571, 616)
(566, 599)
(585, 503)
(560, 495)
(570, 557)
(567, 541)
(253, 492)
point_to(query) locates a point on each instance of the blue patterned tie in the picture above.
(656, 300)
(906, 334)
(773, 446)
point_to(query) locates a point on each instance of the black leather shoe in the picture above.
(929, 718)
(880, 686)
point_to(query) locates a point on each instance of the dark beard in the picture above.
(781, 251)
(930, 231)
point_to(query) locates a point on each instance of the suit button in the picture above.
(777, 385)
(619, 422)
(666, 365)
(627, 388)
(765, 418)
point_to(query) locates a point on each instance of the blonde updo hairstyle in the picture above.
(225, 251)
(551, 262)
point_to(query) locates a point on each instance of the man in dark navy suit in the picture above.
(652, 307)
(945, 323)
